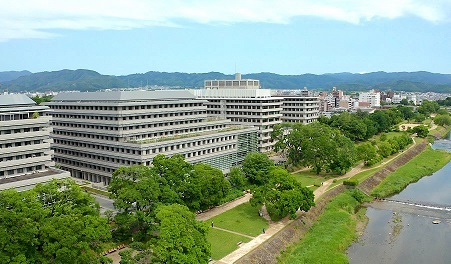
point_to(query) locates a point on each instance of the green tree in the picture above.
(181, 239)
(137, 191)
(404, 102)
(371, 127)
(442, 111)
(282, 195)
(418, 117)
(421, 131)
(53, 223)
(351, 125)
(395, 147)
(367, 152)
(406, 111)
(384, 149)
(213, 185)
(381, 120)
(256, 167)
(38, 100)
(428, 107)
(442, 120)
(403, 141)
(236, 177)
(317, 145)
(344, 156)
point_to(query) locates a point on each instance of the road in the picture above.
(104, 202)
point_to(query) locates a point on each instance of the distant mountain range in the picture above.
(87, 80)
(12, 75)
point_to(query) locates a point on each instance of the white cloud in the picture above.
(38, 18)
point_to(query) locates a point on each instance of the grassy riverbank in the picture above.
(426, 163)
(331, 235)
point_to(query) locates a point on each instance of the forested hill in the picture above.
(11, 75)
(87, 80)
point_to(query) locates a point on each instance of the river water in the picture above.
(403, 231)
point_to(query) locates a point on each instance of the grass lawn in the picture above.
(427, 121)
(243, 219)
(223, 243)
(426, 163)
(364, 174)
(389, 135)
(313, 188)
(96, 191)
(308, 178)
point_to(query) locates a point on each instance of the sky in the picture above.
(248, 36)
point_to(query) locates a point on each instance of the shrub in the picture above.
(35, 115)
(358, 195)
(351, 182)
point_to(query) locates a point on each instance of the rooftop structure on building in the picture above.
(238, 83)
(96, 133)
(25, 154)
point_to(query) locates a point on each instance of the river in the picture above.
(402, 231)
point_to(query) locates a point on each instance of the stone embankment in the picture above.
(267, 252)
(368, 185)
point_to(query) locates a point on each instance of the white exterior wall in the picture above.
(24, 143)
(374, 98)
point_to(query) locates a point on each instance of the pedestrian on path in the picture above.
(212, 224)
(263, 230)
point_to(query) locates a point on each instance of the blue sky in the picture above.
(251, 36)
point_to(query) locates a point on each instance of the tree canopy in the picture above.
(282, 194)
(181, 239)
(139, 190)
(38, 100)
(316, 145)
(422, 131)
(428, 107)
(55, 222)
(442, 120)
(256, 167)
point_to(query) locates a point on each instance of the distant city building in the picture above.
(25, 155)
(96, 133)
(372, 97)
